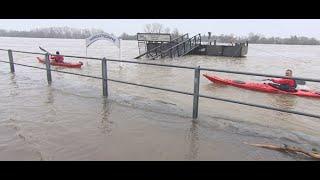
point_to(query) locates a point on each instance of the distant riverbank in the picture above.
(73, 33)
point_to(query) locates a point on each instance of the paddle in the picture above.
(44, 50)
(299, 82)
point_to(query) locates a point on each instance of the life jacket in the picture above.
(57, 58)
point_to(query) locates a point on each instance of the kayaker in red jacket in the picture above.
(57, 58)
(285, 84)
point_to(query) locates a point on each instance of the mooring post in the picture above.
(196, 92)
(105, 77)
(11, 60)
(49, 79)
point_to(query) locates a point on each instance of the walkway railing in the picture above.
(183, 47)
(153, 53)
(196, 93)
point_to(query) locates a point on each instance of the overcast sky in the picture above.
(239, 27)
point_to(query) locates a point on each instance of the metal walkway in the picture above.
(155, 51)
(177, 47)
(182, 48)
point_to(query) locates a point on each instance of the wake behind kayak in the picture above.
(64, 64)
(262, 87)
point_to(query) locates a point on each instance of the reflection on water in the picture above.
(13, 81)
(286, 102)
(106, 122)
(50, 99)
(193, 138)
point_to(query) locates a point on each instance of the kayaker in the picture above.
(285, 84)
(57, 58)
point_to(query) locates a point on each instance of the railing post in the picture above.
(196, 92)
(11, 60)
(49, 79)
(105, 77)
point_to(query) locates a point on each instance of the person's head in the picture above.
(57, 52)
(289, 72)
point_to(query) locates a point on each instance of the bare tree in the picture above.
(167, 30)
(154, 28)
(175, 33)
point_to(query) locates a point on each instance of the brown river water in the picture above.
(70, 120)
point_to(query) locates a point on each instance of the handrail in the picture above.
(195, 94)
(181, 67)
(180, 43)
(179, 37)
(162, 44)
(177, 45)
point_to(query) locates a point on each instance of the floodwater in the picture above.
(70, 120)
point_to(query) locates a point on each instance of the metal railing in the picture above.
(183, 47)
(158, 49)
(196, 93)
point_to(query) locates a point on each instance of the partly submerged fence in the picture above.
(196, 93)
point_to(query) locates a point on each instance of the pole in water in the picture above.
(196, 92)
(120, 53)
(11, 60)
(87, 55)
(104, 77)
(49, 79)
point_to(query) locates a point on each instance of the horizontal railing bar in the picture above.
(151, 64)
(152, 87)
(96, 77)
(183, 67)
(261, 106)
(119, 81)
(258, 74)
(24, 65)
(26, 52)
(82, 57)
(54, 70)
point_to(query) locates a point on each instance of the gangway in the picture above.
(153, 52)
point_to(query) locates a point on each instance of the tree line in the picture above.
(74, 33)
(52, 32)
(261, 39)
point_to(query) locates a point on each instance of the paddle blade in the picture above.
(43, 49)
(300, 82)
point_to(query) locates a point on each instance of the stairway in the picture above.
(182, 48)
(178, 46)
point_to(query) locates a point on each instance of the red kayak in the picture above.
(263, 87)
(64, 64)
